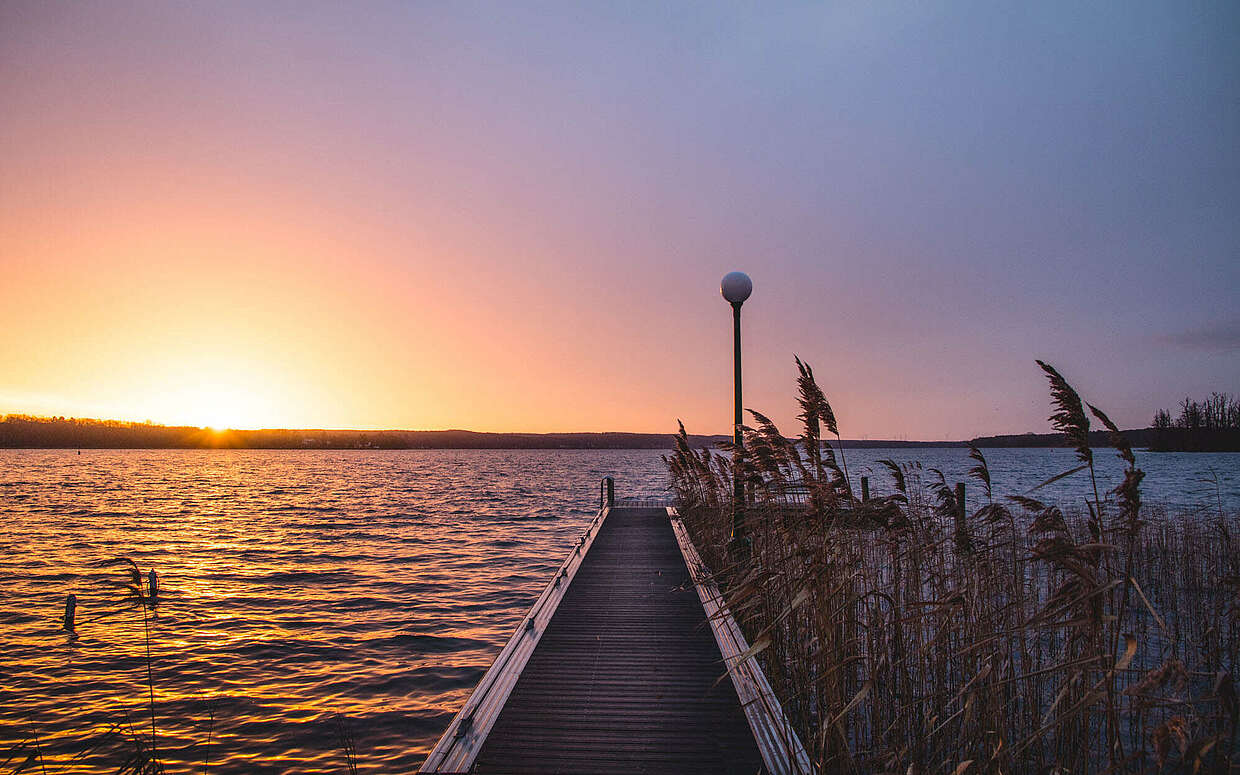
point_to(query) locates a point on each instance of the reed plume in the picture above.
(1051, 641)
(1069, 416)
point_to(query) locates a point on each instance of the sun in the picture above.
(219, 391)
(225, 406)
(219, 404)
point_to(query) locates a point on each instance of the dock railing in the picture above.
(777, 742)
(606, 492)
(459, 746)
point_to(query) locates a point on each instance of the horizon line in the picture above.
(6, 416)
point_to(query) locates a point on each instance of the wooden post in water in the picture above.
(865, 489)
(960, 512)
(152, 584)
(70, 611)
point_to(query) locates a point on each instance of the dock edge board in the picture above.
(777, 741)
(463, 739)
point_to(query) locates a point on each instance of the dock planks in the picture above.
(627, 676)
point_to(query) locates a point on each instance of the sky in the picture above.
(515, 216)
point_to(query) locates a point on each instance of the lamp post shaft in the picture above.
(735, 288)
(738, 441)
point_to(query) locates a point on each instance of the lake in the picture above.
(312, 599)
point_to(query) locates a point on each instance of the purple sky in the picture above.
(515, 216)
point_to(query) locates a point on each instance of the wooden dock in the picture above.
(628, 662)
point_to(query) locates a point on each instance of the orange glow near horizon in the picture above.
(426, 217)
(260, 316)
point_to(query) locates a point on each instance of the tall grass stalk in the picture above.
(1046, 638)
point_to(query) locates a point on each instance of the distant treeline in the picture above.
(1212, 425)
(24, 431)
(1140, 437)
(18, 431)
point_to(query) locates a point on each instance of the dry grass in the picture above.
(1023, 639)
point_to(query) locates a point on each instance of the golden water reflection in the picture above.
(306, 598)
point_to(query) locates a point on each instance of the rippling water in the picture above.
(308, 597)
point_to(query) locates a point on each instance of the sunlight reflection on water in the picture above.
(300, 591)
(307, 594)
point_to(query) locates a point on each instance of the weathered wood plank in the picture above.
(626, 677)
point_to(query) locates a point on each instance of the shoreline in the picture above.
(26, 432)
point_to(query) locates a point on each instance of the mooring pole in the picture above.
(865, 489)
(70, 611)
(152, 584)
(960, 512)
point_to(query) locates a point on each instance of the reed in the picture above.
(1033, 638)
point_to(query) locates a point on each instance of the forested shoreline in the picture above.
(1209, 425)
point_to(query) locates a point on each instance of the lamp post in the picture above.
(736, 287)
